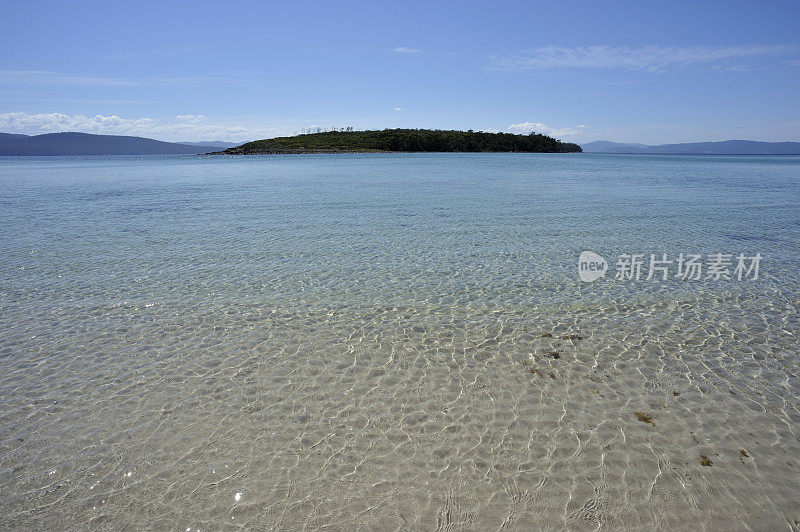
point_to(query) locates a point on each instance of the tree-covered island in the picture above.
(405, 140)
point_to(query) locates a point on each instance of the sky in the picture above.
(648, 72)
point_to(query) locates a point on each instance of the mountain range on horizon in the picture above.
(725, 147)
(73, 143)
(215, 143)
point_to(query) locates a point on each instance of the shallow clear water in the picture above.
(365, 341)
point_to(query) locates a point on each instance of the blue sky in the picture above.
(237, 71)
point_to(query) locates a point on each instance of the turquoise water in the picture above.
(365, 341)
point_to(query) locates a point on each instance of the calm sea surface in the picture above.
(397, 342)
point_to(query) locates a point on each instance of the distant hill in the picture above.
(212, 143)
(86, 144)
(726, 147)
(607, 146)
(405, 140)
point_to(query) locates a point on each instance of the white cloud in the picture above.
(404, 50)
(538, 127)
(183, 127)
(652, 58)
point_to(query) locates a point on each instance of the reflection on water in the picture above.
(394, 342)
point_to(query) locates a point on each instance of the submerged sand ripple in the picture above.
(423, 416)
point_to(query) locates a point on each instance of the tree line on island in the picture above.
(405, 140)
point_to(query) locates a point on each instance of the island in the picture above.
(404, 140)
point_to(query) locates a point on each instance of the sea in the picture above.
(400, 342)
